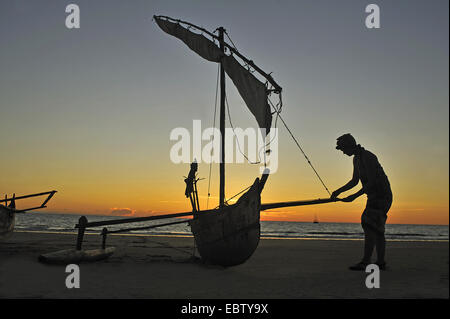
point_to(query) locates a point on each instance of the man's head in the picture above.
(347, 144)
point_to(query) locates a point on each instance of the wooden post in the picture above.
(81, 228)
(104, 233)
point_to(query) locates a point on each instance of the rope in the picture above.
(275, 126)
(226, 202)
(277, 111)
(214, 125)
(226, 33)
(307, 159)
(265, 145)
(237, 194)
(237, 140)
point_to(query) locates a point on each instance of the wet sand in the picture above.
(164, 267)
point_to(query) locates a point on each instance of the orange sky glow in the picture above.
(89, 112)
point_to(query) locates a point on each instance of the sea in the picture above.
(65, 223)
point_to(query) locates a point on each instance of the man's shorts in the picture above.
(375, 213)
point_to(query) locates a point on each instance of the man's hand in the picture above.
(335, 194)
(349, 199)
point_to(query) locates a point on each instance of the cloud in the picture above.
(132, 212)
(122, 212)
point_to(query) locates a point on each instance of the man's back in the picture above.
(371, 173)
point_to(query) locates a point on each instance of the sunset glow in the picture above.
(89, 112)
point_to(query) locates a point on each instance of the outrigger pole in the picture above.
(299, 203)
(14, 198)
(83, 223)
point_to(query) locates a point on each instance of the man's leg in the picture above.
(381, 241)
(381, 248)
(370, 240)
(369, 245)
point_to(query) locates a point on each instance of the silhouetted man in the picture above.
(375, 185)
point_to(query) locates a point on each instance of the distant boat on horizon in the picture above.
(316, 220)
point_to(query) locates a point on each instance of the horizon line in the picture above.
(269, 220)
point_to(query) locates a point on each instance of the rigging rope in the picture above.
(277, 111)
(214, 125)
(307, 159)
(226, 33)
(226, 201)
(266, 145)
(237, 194)
(237, 140)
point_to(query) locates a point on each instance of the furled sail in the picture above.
(253, 91)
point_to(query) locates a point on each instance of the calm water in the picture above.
(66, 223)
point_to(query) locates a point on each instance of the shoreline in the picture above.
(262, 237)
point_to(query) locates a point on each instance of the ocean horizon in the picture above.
(65, 222)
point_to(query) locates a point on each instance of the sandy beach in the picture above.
(163, 267)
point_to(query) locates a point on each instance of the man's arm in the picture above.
(354, 196)
(352, 183)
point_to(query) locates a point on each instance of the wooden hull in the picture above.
(7, 221)
(230, 235)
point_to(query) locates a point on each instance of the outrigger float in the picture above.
(228, 234)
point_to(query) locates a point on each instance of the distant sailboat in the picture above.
(316, 220)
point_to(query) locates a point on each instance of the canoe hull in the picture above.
(7, 221)
(229, 236)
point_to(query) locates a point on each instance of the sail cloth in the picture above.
(253, 91)
(197, 42)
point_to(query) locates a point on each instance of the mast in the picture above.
(222, 122)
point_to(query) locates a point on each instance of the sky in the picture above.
(89, 111)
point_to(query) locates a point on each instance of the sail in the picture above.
(197, 42)
(252, 91)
